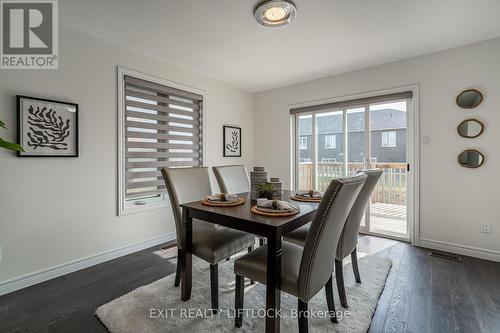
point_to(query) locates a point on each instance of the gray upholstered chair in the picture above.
(306, 270)
(232, 178)
(210, 243)
(349, 238)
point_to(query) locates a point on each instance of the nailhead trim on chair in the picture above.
(316, 236)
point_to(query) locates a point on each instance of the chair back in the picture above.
(185, 185)
(349, 237)
(232, 178)
(317, 262)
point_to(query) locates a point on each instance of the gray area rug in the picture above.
(157, 307)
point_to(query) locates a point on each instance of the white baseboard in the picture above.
(460, 249)
(21, 282)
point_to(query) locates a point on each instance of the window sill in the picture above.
(134, 209)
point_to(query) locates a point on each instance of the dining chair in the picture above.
(305, 270)
(348, 241)
(233, 179)
(210, 242)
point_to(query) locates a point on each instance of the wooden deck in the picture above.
(388, 218)
(388, 210)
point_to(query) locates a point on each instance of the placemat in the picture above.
(238, 202)
(277, 214)
(305, 199)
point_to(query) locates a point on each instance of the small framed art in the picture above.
(47, 128)
(232, 141)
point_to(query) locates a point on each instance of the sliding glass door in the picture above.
(305, 151)
(331, 148)
(336, 142)
(388, 146)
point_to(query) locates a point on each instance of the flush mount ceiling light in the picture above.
(275, 13)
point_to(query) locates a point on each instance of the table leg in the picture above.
(186, 262)
(273, 293)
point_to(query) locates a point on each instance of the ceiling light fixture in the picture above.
(275, 13)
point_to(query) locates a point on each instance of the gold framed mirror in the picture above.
(469, 99)
(471, 158)
(470, 128)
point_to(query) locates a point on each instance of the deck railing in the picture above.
(390, 189)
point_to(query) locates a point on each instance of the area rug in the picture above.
(157, 307)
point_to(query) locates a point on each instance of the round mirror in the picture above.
(469, 99)
(470, 128)
(471, 158)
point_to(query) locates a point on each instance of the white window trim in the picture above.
(302, 147)
(388, 143)
(153, 203)
(334, 141)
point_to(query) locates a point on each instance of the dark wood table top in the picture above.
(243, 213)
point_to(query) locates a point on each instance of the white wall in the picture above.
(55, 210)
(453, 200)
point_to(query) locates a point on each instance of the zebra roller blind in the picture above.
(162, 129)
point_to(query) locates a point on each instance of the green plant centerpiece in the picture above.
(9, 145)
(265, 190)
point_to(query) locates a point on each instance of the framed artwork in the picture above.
(232, 141)
(47, 128)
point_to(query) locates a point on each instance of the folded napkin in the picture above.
(310, 194)
(223, 197)
(278, 204)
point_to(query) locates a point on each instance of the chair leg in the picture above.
(303, 326)
(355, 269)
(329, 300)
(250, 249)
(178, 270)
(214, 285)
(339, 274)
(238, 300)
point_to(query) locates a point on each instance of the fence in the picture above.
(390, 189)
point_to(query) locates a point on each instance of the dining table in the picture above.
(241, 218)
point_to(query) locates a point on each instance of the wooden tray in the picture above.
(238, 202)
(305, 199)
(277, 214)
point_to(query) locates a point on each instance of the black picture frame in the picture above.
(227, 152)
(75, 145)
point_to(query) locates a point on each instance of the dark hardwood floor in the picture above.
(422, 293)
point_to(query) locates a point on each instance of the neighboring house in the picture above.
(388, 130)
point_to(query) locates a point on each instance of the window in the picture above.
(303, 142)
(352, 133)
(330, 141)
(160, 125)
(388, 139)
(305, 160)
